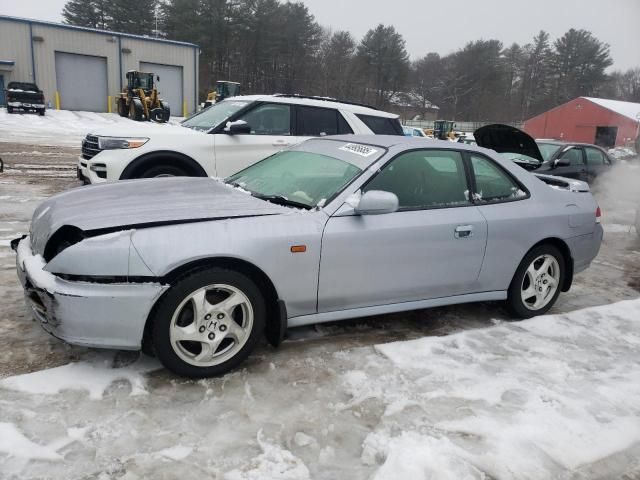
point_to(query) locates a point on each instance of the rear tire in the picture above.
(9, 109)
(164, 171)
(537, 282)
(208, 323)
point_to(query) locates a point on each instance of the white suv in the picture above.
(224, 138)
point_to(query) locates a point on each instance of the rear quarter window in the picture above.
(382, 125)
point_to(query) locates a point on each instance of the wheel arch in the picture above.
(566, 254)
(160, 157)
(276, 310)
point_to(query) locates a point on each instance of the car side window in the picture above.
(594, 156)
(381, 125)
(424, 179)
(574, 155)
(317, 122)
(269, 119)
(492, 183)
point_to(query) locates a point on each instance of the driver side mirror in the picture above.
(377, 202)
(561, 162)
(238, 127)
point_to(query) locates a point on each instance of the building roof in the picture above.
(95, 30)
(628, 109)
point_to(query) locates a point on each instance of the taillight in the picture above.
(598, 214)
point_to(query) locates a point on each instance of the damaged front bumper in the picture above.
(104, 315)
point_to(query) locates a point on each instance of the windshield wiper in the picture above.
(281, 200)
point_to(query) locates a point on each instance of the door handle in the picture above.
(463, 231)
(281, 143)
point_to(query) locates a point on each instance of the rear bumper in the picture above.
(104, 315)
(585, 248)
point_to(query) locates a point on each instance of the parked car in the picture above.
(24, 96)
(223, 138)
(580, 161)
(334, 228)
(413, 132)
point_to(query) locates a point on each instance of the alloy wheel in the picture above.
(540, 283)
(211, 325)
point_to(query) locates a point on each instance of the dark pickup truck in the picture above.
(24, 96)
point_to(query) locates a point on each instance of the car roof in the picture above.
(316, 102)
(400, 141)
(562, 142)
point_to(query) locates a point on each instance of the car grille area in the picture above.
(90, 147)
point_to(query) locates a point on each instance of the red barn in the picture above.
(604, 122)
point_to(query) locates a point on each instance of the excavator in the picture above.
(224, 89)
(140, 101)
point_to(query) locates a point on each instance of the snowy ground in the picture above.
(447, 393)
(57, 127)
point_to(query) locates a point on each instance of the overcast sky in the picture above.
(446, 26)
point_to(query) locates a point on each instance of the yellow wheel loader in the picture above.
(224, 89)
(140, 101)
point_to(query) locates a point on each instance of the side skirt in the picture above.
(395, 307)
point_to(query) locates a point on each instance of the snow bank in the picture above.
(94, 377)
(15, 444)
(532, 399)
(57, 127)
(274, 463)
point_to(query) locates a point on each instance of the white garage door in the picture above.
(82, 82)
(170, 84)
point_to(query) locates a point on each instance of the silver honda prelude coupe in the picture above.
(198, 269)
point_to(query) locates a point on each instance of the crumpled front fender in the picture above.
(111, 254)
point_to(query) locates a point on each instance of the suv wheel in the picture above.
(164, 171)
(208, 323)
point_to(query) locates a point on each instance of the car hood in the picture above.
(143, 203)
(505, 138)
(144, 129)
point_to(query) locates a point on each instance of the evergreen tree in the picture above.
(136, 17)
(579, 64)
(384, 63)
(86, 13)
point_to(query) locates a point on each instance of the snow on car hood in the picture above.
(147, 202)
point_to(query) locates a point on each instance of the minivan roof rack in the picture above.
(326, 99)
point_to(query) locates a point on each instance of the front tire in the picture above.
(163, 171)
(537, 283)
(9, 109)
(208, 323)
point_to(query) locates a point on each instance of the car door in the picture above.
(577, 167)
(597, 162)
(271, 131)
(431, 247)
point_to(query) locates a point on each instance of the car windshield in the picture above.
(295, 178)
(548, 149)
(214, 115)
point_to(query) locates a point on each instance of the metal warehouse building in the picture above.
(604, 122)
(83, 68)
